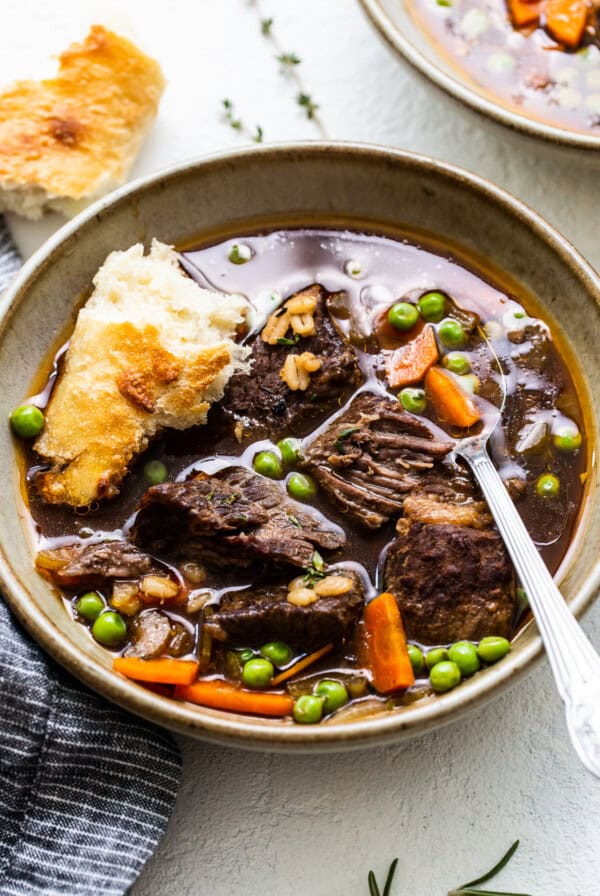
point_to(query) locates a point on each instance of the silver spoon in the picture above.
(574, 662)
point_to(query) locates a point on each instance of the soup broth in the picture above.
(363, 276)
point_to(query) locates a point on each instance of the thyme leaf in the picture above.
(288, 60)
(306, 101)
(285, 340)
(265, 26)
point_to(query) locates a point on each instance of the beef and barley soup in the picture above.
(241, 477)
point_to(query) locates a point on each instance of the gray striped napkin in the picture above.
(86, 790)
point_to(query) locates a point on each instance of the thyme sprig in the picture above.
(290, 65)
(469, 889)
(236, 123)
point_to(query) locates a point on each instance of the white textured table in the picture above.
(448, 804)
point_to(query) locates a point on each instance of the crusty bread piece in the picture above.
(150, 349)
(68, 140)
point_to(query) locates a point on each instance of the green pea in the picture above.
(432, 306)
(548, 486)
(301, 487)
(290, 450)
(268, 464)
(417, 660)
(451, 333)
(334, 693)
(239, 253)
(308, 710)
(435, 656)
(27, 421)
(457, 362)
(109, 629)
(403, 315)
(464, 654)
(444, 677)
(470, 383)
(277, 652)
(257, 674)
(89, 606)
(493, 648)
(155, 472)
(413, 400)
(567, 438)
(245, 654)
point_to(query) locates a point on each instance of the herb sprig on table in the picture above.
(289, 65)
(469, 889)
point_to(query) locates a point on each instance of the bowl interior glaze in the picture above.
(289, 185)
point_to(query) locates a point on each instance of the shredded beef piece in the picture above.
(91, 565)
(198, 520)
(371, 456)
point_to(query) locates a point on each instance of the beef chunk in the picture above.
(153, 633)
(91, 565)
(264, 402)
(451, 582)
(371, 456)
(256, 615)
(198, 520)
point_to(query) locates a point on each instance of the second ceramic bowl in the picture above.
(394, 21)
(358, 186)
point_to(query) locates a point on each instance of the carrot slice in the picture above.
(451, 403)
(301, 664)
(565, 20)
(410, 363)
(386, 648)
(523, 13)
(161, 671)
(220, 694)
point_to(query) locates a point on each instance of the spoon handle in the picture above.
(574, 662)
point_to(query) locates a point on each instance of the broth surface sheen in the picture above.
(368, 273)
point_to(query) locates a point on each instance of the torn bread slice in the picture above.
(150, 349)
(69, 139)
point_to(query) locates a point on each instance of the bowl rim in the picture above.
(250, 733)
(468, 96)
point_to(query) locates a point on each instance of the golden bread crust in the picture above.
(150, 350)
(76, 135)
(95, 427)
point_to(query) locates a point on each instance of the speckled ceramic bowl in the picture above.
(402, 32)
(355, 185)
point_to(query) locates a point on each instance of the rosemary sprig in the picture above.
(468, 889)
(374, 886)
(472, 887)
